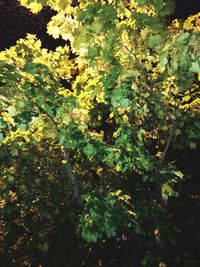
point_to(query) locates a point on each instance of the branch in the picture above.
(138, 65)
(68, 167)
(73, 179)
(146, 80)
(172, 131)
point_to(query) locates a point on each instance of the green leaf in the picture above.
(60, 111)
(93, 238)
(10, 179)
(195, 67)
(22, 126)
(61, 138)
(2, 124)
(89, 150)
(182, 37)
(93, 52)
(163, 59)
(31, 67)
(155, 40)
(124, 102)
(48, 109)
(96, 27)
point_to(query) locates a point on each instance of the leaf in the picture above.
(31, 67)
(22, 126)
(54, 31)
(12, 111)
(93, 52)
(60, 111)
(35, 120)
(35, 7)
(118, 192)
(14, 152)
(61, 138)
(182, 37)
(96, 27)
(2, 123)
(179, 174)
(11, 179)
(155, 40)
(66, 119)
(48, 109)
(195, 67)
(124, 102)
(118, 168)
(163, 60)
(186, 98)
(50, 134)
(93, 238)
(89, 150)
(134, 86)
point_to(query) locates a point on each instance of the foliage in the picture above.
(104, 215)
(134, 95)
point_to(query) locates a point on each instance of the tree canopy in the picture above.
(99, 157)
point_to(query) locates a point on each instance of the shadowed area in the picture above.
(16, 21)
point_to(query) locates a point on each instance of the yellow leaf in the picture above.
(99, 171)
(54, 31)
(111, 115)
(186, 98)
(118, 168)
(134, 86)
(35, 7)
(118, 192)
(23, 2)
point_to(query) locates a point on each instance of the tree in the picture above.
(98, 154)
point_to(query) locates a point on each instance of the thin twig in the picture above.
(138, 65)
(172, 131)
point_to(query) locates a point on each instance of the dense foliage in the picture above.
(93, 166)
